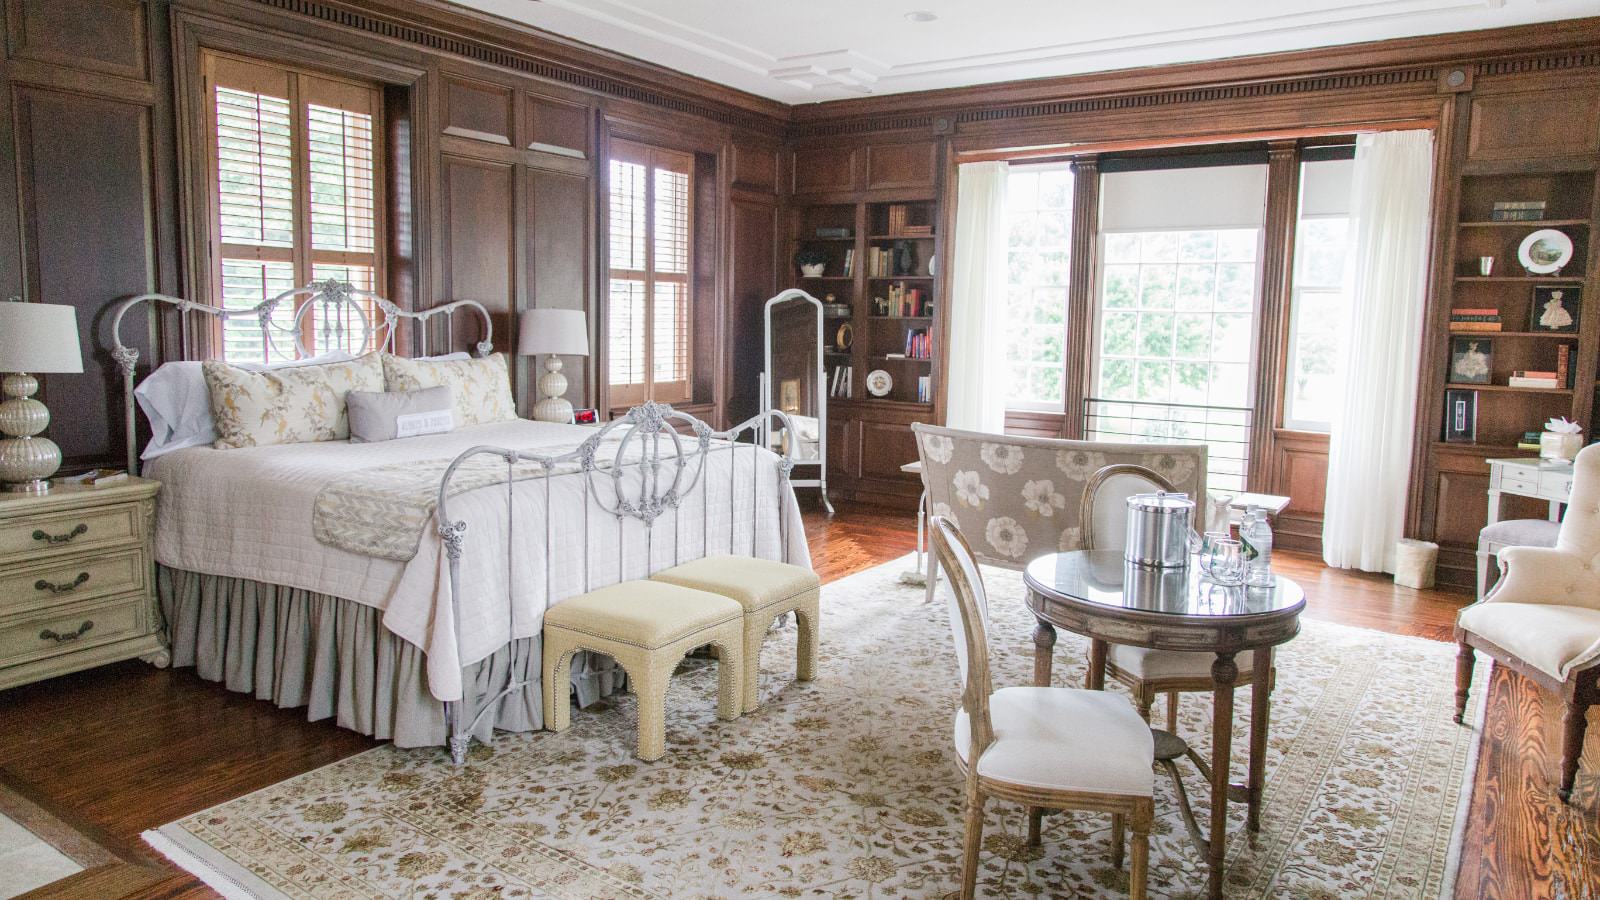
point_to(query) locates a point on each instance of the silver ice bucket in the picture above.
(1160, 529)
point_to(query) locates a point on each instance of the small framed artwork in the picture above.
(1460, 416)
(1471, 360)
(589, 416)
(789, 395)
(1555, 308)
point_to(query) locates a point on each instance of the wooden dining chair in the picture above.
(1042, 747)
(1146, 672)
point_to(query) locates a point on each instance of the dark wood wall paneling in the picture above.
(88, 173)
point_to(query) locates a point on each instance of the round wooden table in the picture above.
(1097, 594)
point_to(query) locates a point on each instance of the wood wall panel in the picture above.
(893, 166)
(85, 180)
(478, 110)
(755, 168)
(559, 126)
(558, 255)
(1533, 124)
(479, 232)
(753, 232)
(94, 35)
(820, 170)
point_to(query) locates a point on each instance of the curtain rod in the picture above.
(1067, 152)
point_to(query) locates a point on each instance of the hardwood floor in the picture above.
(126, 748)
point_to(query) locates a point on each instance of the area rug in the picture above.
(847, 787)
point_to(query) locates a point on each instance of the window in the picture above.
(295, 198)
(649, 303)
(1039, 218)
(1179, 269)
(1317, 302)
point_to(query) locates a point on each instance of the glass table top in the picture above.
(1104, 578)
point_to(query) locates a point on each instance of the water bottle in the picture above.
(1256, 535)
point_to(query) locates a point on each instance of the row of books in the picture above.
(899, 227)
(842, 382)
(1530, 378)
(919, 344)
(1475, 319)
(924, 389)
(886, 261)
(903, 301)
(1530, 441)
(1517, 211)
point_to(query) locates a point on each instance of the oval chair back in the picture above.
(1104, 513)
(969, 626)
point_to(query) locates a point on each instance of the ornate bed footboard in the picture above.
(667, 465)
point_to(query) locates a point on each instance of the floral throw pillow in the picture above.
(482, 387)
(286, 406)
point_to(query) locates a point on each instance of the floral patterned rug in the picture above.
(847, 787)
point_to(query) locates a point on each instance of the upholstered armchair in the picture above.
(1542, 619)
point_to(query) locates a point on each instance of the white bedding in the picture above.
(247, 513)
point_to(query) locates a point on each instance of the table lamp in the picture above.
(34, 337)
(552, 332)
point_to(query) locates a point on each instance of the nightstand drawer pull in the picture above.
(40, 534)
(48, 635)
(52, 587)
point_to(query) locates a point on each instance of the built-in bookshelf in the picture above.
(1521, 345)
(879, 265)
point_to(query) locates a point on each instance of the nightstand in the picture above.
(77, 580)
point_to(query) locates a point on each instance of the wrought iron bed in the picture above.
(663, 456)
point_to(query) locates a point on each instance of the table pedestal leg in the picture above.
(1260, 717)
(1224, 671)
(1096, 679)
(1044, 642)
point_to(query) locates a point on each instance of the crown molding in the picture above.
(446, 28)
(1402, 61)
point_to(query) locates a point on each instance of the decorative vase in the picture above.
(814, 270)
(1553, 445)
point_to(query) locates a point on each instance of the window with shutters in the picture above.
(648, 303)
(295, 198)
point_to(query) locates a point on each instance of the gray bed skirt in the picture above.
(334, 657)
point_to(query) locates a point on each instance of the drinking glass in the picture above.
(1206, 544)
(1227, 561)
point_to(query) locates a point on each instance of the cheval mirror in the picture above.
(793, 380)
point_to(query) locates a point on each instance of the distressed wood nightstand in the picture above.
(77, 580)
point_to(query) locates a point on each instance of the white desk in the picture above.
(1537, 478)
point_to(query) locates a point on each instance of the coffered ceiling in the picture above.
(814, 50)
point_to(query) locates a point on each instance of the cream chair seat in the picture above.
(647, 627)
(1043, 747)
(765, 589)
(1058, 739)
(1542, 619)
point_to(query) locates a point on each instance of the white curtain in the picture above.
(975, 397)
(1369, 454)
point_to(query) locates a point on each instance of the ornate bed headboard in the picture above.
(344, 317)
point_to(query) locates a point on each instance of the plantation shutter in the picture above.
(296, 199)
(648, 307)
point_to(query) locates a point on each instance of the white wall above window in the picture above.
(1211, 198)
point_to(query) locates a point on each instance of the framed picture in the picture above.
(1460, 416)
(789, 395)
(1555, 308)
(1471, 360)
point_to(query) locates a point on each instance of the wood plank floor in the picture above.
(125, 748)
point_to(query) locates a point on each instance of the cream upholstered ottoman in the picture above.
(647, 627)
(766, 589)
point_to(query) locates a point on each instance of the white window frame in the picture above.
(1291, 353)
(1017, 405)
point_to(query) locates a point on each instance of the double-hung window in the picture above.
(294, 197)
(1318, 304)
(649, 305)
(1039, 258)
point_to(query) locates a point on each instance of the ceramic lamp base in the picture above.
(552, 406)
(26, 460)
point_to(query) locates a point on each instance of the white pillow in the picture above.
(446, 357)
(178, 404)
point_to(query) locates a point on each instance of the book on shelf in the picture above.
(919, 344)
(902, 302)
(1528, 445)
(1518, 381)
(849, 262)
(842, 381)
(924, 389)
(829, 232)
(1517, 211)
(1475, 326)
(1564, 371)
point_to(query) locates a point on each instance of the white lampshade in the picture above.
(563, 331)
(39, 337)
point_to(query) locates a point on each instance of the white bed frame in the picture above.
(647, 489)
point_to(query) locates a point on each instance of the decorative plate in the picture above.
(879, 383)
(1545, 251)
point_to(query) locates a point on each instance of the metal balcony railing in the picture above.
(1224, 429)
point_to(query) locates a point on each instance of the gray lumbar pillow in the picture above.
(386, 415)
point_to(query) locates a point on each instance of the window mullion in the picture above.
(649, 279)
